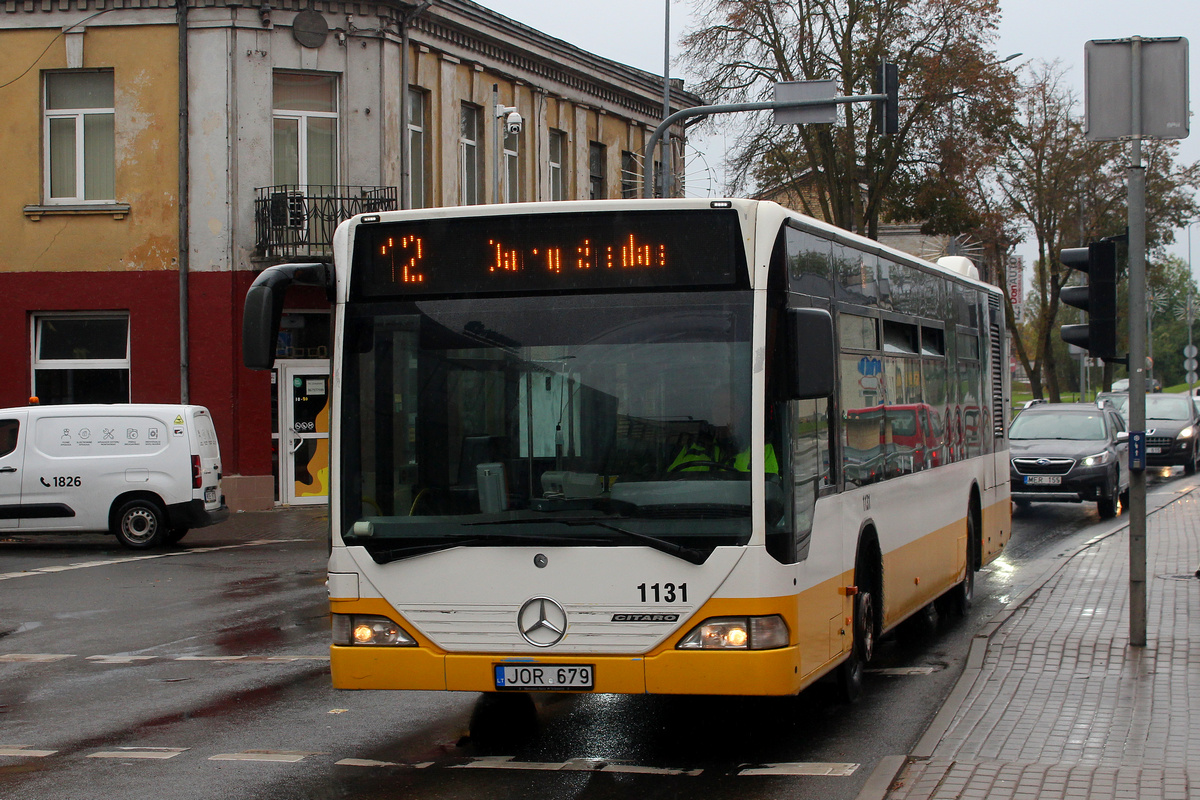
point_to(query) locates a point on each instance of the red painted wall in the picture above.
(239, 398)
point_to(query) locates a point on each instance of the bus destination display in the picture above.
(548, 253)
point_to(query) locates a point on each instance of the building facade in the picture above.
(273, 121)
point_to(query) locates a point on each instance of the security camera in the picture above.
(513, 123)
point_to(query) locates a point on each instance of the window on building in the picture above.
(512, 167)
(418, 163)
(305, 129)
(80, 146)
(596, 159)
(629, 174)
(81, 358)
(558, 149)
(469, 138)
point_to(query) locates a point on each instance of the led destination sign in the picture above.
(548, 253)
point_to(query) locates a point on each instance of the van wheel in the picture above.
(140, 524)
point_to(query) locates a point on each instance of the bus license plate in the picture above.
(544, 677)
(1043, 480)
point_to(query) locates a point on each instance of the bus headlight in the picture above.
(351, 629)
(737, 633)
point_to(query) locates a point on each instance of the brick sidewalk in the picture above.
(1062, 707)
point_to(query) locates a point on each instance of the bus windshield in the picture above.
(522, 420)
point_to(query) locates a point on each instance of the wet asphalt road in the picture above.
(201, 672)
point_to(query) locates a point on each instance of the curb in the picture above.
(890, 767)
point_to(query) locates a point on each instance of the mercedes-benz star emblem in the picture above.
(542, 622)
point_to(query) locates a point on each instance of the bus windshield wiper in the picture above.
(689, 554)
(447, 542)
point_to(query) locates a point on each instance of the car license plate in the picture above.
(210, 494)
(544, 677)
(1043, 480)
(1154, 450)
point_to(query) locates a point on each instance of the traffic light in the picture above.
(1098, 298)
(887, 113)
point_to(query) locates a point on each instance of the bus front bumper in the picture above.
(700, 672)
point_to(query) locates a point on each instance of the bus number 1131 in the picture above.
(664, 593)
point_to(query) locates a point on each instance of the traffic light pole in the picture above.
(1136, 187)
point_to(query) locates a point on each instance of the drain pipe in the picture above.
(181, 12)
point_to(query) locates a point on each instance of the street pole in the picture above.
(1191, 312)
(730, 108)
(1136, 184)
(666, 141)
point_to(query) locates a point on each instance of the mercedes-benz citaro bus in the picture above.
(603, 446)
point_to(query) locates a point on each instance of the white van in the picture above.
(146, 473)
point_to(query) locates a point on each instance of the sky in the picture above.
(632, 32)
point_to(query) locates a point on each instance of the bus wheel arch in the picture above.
(867, 620)
(959, 598)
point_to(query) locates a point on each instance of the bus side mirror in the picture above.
(812, 360)
(264, 307)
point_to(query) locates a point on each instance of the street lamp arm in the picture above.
(729, 108)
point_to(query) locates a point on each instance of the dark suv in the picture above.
(1171, 431)
(1069, 453)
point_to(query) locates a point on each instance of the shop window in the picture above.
(81, 358)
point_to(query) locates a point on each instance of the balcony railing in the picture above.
(299, 221)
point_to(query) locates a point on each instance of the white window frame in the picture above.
(38, 363)
(301, 118)
(418, 177)
(512, 167)
(469, 154)
(78, 115)
(557, 186)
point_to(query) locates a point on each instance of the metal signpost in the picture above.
(1135, 89)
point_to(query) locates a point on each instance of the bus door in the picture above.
(303, 466)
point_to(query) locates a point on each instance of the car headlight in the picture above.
(352, 629)
(737, 633)
(1186, 433)
(1096, 460)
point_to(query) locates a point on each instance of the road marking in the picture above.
(367, 762)
(905, 671)
(572, 765)
(23, 751)
(801, 768)
(129, 559)
(34, 658)
(119, 659)
(123, 659)
(284, 756)
(140, 752)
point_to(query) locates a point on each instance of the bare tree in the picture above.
(844, 173)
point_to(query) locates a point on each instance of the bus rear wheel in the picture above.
(862, 649)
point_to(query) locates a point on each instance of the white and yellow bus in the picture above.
(645, 446)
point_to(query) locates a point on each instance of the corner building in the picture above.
(296, 116)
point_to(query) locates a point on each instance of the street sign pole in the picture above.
(1136, 187)
(1134, 89)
